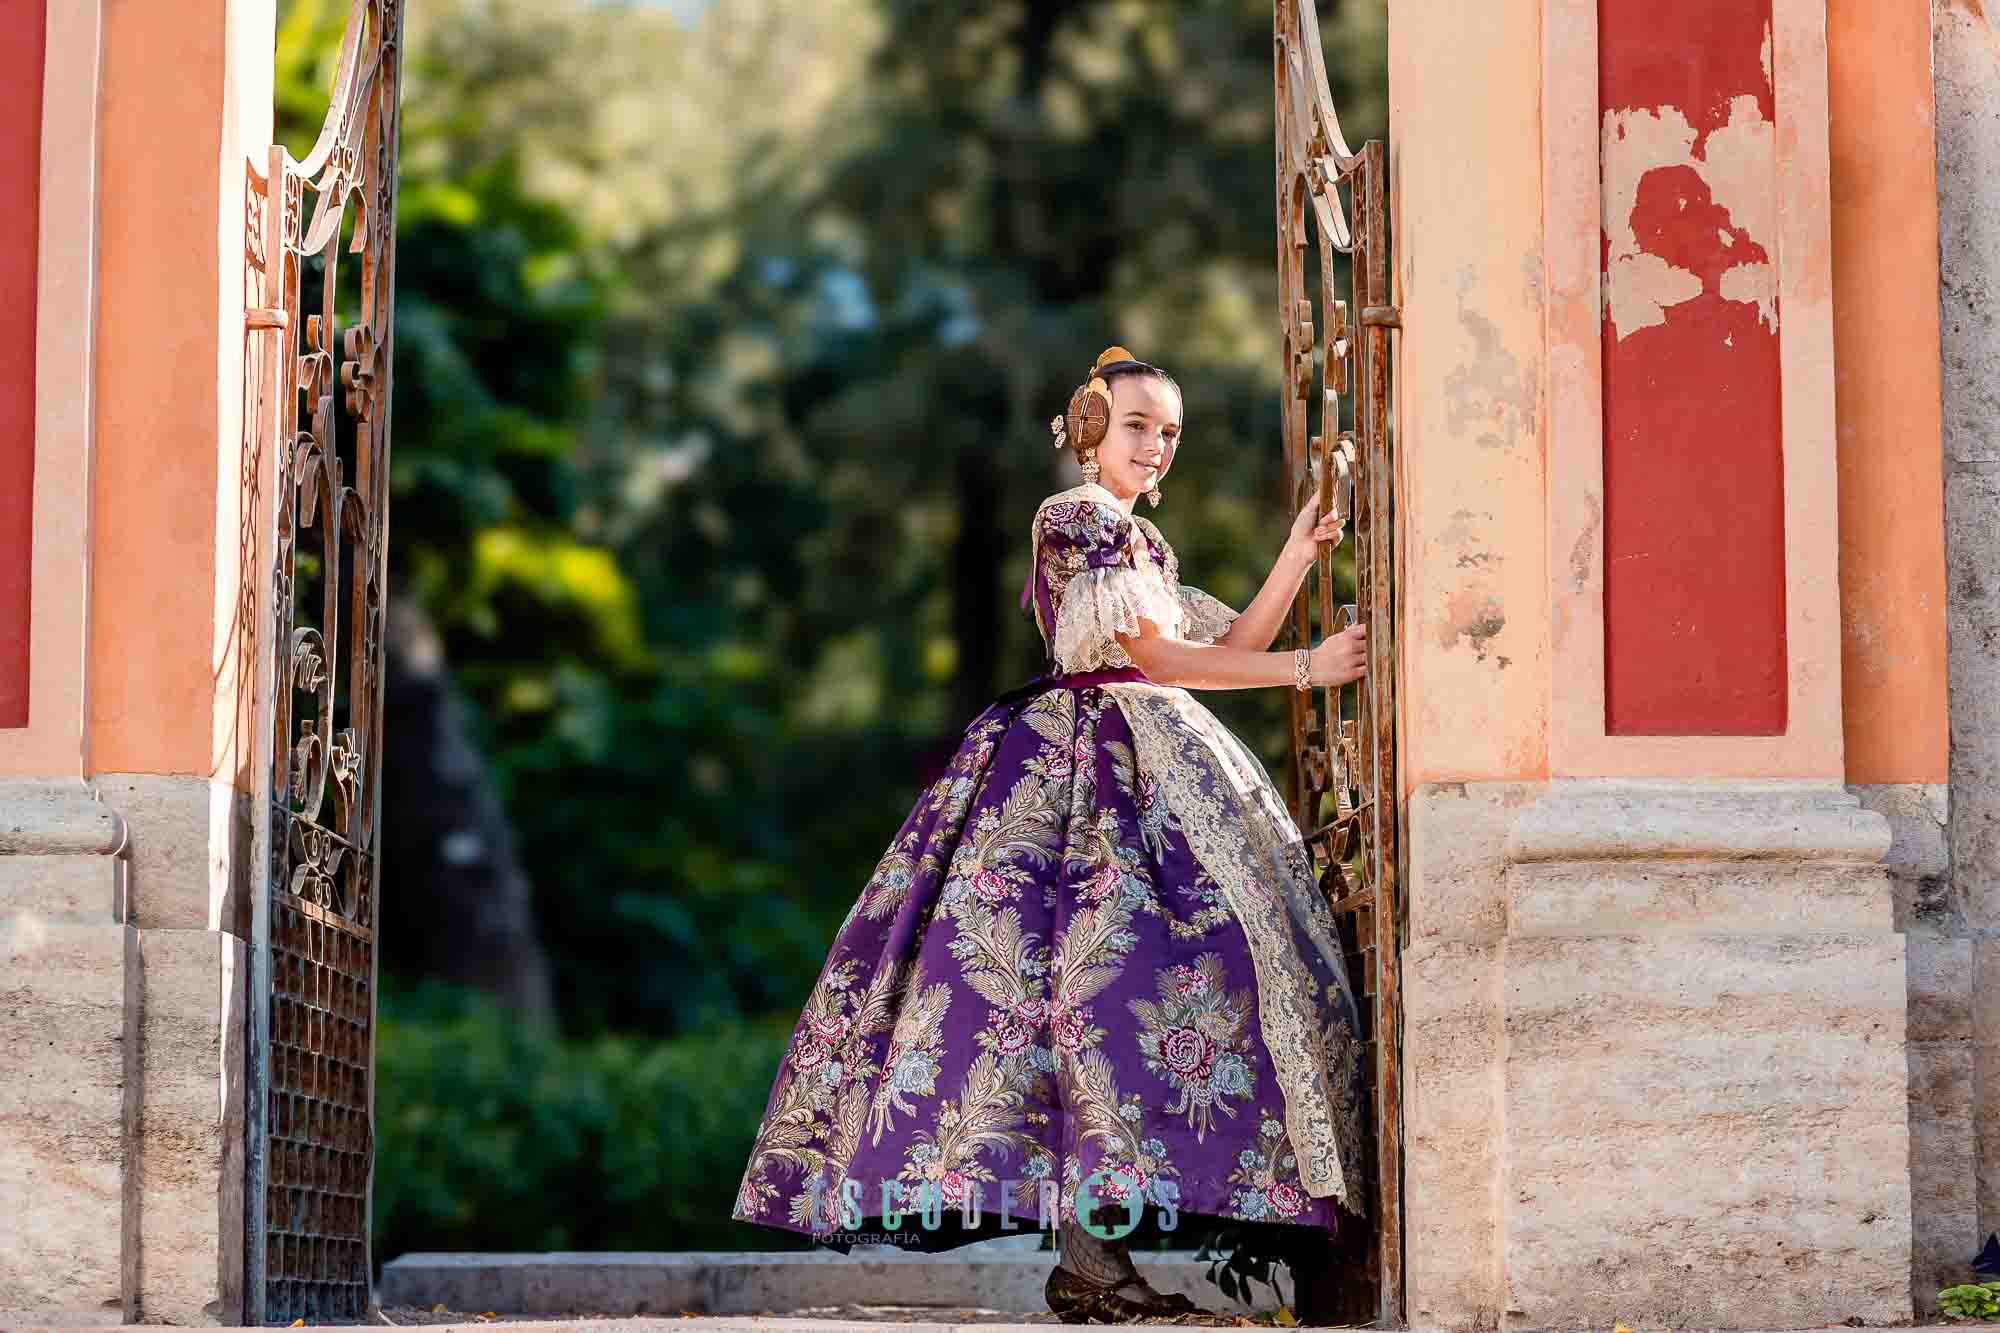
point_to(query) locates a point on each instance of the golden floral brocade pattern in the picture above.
(1245, 839)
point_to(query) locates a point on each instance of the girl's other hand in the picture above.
(1309, 529)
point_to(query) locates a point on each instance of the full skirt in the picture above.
(1094, 950)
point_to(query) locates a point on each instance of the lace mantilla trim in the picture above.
(1205, 619)
(1100, 604)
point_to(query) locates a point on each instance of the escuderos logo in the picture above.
(835, 1214)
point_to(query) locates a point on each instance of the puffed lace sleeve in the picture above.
(1091, 585)
(1204, 619)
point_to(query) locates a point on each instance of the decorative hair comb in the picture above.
(1089, 414)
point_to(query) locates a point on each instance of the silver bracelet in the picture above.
(1302, 669)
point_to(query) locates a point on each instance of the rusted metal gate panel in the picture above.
(1343, 779)
(317, 356)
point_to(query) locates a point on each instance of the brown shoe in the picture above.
(1076, 1299)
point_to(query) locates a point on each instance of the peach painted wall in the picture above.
(1464, 148)
(21, 58)
(1886, 366)
(187, 101)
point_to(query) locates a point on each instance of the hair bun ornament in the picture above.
(1088, 419)
(1089, 415)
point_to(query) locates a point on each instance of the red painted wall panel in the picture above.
(1694, 542)
(21, 47)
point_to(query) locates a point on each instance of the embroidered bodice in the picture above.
(1097, 570)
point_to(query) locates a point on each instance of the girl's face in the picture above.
(1145, 430)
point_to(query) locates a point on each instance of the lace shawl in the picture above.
(1204, 619)
(1098, 605)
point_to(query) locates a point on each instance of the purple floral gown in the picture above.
(1095, 945)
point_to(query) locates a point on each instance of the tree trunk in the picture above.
(975, 597)
(456, 904)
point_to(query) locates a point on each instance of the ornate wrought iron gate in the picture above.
(317, 469)
(1344, 787)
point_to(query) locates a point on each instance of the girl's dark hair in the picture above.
(1115, 369)
(1090, 412)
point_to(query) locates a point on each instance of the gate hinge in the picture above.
(1382, 316)
(266, 317)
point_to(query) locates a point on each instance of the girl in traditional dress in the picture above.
(1094, 966)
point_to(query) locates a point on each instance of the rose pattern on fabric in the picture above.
(1094, 945)
(1268, 1175)
(1194, 1036)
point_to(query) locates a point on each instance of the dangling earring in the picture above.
(1088, 463)
(1153, 496)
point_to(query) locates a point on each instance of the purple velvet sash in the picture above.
(1021, 696)
(1076, 680)
(1067, 680)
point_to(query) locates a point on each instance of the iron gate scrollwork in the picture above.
(1343, 774)
(317, 402)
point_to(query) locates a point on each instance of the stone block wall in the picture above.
(121, 1063)
(1655, 1057)
(1966, 69)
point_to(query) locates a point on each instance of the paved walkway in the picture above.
(935, 1323)
(990, 1283)
(869, 1317)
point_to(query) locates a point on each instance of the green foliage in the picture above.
(725, 348)
(1969, 1301)
(726, 341)
(495, 1137)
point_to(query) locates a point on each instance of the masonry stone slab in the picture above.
(55, 818)
(190, 842)
(64, 1119)
(68, 890)
(190, 1164)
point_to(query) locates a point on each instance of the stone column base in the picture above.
(121, 1062)
(1671, 1086)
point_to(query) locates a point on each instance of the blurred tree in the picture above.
(479, 265)
(473, 922)
(729, 336)
(867, 389)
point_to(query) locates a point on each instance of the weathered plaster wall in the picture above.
(1656, 1004)
(171, 629)
(1966, 53)
(1585, 183)
(1474, 644)
(56, 370)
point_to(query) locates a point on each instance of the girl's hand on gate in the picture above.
(1309, 529)
(1340, 657)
